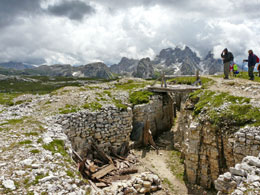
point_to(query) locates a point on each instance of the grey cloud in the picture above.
(75, 10)
(10, 9)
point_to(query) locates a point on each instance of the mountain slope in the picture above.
(172, 61)
(15, 65)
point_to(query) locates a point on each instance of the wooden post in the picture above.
(197, 75)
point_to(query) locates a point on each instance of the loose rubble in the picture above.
(139, 184)
(243, 178)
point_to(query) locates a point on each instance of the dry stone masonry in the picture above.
(159, 112)
(108, 127)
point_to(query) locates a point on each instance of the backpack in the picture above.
(257, 59)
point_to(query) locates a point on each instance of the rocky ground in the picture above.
(238, 87)
(35, 152)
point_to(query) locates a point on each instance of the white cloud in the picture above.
(134, 29)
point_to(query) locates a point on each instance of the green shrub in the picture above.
(140, 97)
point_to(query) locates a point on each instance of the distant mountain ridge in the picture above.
(16, 65)
(175, 61)
(94, 70)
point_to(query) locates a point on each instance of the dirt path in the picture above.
(157, 163)
(237, 87)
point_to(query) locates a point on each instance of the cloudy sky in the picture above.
(84, 31)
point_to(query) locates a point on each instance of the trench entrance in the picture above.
(107, 157)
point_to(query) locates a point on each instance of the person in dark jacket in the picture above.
(227, 58)
(251, 64)
(258, 69)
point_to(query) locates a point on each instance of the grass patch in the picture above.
(25, 142)
(167, 182)
(7, 98)
(210, 99)
(15, 121)
(92, 106)
(140, 97)
(56, 146)
(130, 85)
(39, 141)
(175, 163)
(31, 134)
(242, 75)
(35, 151)
(108, 93)
(40, 86)
(68, 109)
(119, 104)
(224, 110)
(70, 173)
(190, 80)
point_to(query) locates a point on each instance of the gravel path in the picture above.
(238, 87)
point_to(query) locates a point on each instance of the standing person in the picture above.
(258, 69)
(235, 70)
(251, 64)
(231, 69)
(227, 58)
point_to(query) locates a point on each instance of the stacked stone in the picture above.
(140, 184)
(108, 127)
(242, 179)
(247, 143)
(159, 112)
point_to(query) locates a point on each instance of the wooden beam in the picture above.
(104, 171)
(177, 76)
(175, 89)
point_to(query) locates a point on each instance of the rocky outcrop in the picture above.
(209, 150)
(125, 66)
(144, 69)
(177, 61)
(210, 65)
(172, 61)
(94, 70)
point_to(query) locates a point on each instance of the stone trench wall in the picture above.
(108, 127)
(159, 113)
(111, 126)
(208, 153)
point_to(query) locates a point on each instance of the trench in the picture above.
(111, 128)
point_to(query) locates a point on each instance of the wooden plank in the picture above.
(104, 171)
(102, 155)
(101, 185)
(93, 186)
(177, 76)
(128, 171)
(176, 89)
